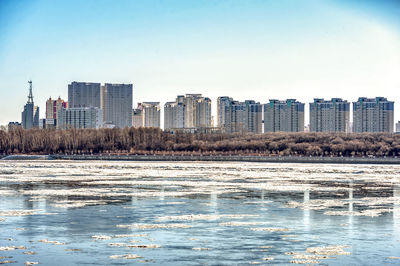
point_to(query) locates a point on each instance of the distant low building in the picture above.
(398, 127)
(42, 123)
(80, 117)
(196, 130)
(13, 125)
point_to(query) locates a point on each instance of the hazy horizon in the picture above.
(255, 50)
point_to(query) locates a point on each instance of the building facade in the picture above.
(189, 111)
(13, 125)
(329, 116)
(151, 114)
(240, 117)
(174, 115)
(52, 109)
(284, 116)
(84, 94)
(373, 115)
(203, 112)
(80, 117)
(137, 116)
(253, 116)
(398, 127)
(116, 103)
(223, 102)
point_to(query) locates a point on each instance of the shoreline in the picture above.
(213, 158)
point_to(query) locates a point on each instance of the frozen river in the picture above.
(191, 213)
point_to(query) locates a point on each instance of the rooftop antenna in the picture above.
(30, 97)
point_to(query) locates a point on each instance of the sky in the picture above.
(245, 49)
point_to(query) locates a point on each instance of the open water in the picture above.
(198, 213)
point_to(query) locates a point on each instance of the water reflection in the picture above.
(306, 211)
(396, 209)
(350, 199)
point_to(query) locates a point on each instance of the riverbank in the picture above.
(233, 158)
(25, 157)
(216, 158)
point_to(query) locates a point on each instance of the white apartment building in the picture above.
(80, 117)
(151, 114)
(373, 115)
(189, 111)
(239, 117)
(284, 116)
(329, 116)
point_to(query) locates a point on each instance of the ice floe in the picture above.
(51, 242)
(101, 237)
(126, 256)
(196, 217)
(199, 249)
(269, 229)
(144, 246)
(328, 250)
(8, 248)
(153, 226)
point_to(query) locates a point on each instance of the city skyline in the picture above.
(265, 49)
(193, 111)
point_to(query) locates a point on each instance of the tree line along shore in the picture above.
(154, 141)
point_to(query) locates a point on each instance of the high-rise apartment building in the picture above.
(116, 103)
(223, 102)
(253, 116)
(174, 115)
(235, 121)
(240, 117)
(203, 112)
(30, 114)
(197, 110)
(52, 109)
(329, 116)
(373, 115)
(151, 114)
(137, 116)
(80, 117)
(284, 116)
(189, 111)
(84, 94)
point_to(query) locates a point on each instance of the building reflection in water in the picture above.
(306, 210)
(162, 195)
(214, 201)
(396, 210)
(350, 220)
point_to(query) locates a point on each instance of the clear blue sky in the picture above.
(246, 49)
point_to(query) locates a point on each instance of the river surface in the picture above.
(198, 213)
